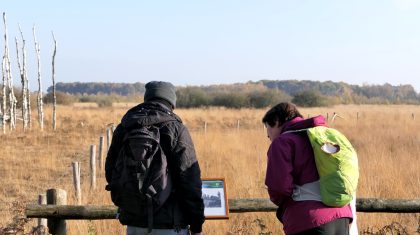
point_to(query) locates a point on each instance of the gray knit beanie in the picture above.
(162, 90)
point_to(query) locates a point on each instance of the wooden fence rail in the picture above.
(99, 212)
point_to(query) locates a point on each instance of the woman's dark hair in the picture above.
(282, 113)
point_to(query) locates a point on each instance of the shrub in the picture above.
(231, 100)
(310, 99)
(191, 97)
(262, 99)
(61, 98)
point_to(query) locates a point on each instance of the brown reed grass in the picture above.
(387, 139)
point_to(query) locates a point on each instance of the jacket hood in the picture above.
(299, 123)
(147, 114)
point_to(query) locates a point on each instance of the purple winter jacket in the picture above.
(291, 162)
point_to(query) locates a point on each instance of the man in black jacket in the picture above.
(183, 211)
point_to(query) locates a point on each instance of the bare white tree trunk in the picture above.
(1, 109)
(28, 96)
(4, 108)
(1, 115)
(26, 82)
(22, 77)
(12, 98)
(39, 98)
(53, 81)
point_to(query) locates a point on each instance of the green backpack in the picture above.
(337, 165)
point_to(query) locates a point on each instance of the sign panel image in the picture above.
(215, 198)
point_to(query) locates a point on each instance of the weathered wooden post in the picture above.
(238, 125)
(92, 166)
(205, 127)
(334, 116)
(57, 197)
(239, 205)
(108, 137)
(76, 181)
(412, 116)
(100, 150)
(42, 200)
(357, 117)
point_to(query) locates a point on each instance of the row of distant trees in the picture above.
(192, 97)
(251, 94)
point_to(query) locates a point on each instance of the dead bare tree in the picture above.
(22, 77)
(39, 97)
(4, 108)
(1, 116)
(26, 82)
(53, 81)
(12, 98)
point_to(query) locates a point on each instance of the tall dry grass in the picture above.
(386, 137)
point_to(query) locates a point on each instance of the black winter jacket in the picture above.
(185, 205)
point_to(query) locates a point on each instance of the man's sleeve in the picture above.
(189, 180)
(113, 151)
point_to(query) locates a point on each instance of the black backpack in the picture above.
(141, 181)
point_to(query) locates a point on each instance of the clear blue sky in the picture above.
(221, 41)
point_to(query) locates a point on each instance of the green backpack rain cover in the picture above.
(337, 165)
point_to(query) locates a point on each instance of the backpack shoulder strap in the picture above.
(295, 131)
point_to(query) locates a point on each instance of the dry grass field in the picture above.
(387, 139)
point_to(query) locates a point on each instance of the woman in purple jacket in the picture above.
(291, 165)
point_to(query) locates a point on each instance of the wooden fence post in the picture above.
(76, 181)
(100, 152)
(57, 197)
(205, 127)
(238, 125)
(42, 200)
(108, 137)
(92, 166)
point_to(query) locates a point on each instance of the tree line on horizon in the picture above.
(258, 94)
